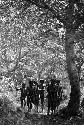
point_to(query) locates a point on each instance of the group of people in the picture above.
(34, 92)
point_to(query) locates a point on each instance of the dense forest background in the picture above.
(33, 43)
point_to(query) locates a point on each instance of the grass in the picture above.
(12, 114)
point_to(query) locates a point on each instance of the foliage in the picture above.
(9, 115)
(30, 43)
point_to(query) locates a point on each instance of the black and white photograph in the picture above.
(41, 62)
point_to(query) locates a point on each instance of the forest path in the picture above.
(40, 119)
(34, 118)
(18, 116)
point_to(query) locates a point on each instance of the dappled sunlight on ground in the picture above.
(20, 116)
(17, 116)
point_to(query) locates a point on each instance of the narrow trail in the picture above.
(18, 116)
(34, 118)
(40, 119)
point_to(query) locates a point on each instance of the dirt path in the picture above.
(37, 119)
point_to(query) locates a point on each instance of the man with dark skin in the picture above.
(29, 104)
(54, 95)
(23, 95)
(30, 94)
(50, 97)
(36, 95)
(58, 94)
(41, 91)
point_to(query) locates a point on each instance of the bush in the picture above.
(5, 106)
(9, 116)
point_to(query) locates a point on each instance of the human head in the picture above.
(53, 81)
(23, 85)
(58, 82)
(41, 81)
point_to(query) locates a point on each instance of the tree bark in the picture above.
(74, 102)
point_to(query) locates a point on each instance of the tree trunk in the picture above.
(74, 102)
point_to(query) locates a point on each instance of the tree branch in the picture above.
(43, 5)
